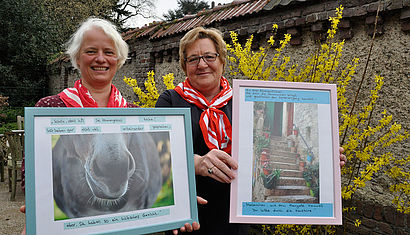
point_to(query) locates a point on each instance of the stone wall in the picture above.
(375, 219)
(306, 119)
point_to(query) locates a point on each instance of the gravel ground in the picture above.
(11, 219)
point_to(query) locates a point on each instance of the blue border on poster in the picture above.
(287, 95)
(287, 209)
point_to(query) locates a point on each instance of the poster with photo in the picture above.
(94, 171)
(288, 158)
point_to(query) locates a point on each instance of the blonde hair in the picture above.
(202, 33)
(74, 44)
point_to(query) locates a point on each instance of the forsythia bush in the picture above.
(147, 100)
(364, 139)
(361, 139)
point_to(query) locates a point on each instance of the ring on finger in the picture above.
(210, 171)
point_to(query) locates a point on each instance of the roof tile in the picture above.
(237, 8)
(219, 13)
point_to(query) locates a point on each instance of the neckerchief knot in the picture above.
(80, 97)
(215, 125)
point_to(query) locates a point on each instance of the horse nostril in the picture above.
(96, 169)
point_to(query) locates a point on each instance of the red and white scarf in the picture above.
(214, 123)
(80, 97)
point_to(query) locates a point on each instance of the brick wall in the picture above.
(161, 55)
(375, 218)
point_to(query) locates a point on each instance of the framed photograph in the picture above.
(287, 147)
(108, 170)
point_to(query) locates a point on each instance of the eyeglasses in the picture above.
(208, 58)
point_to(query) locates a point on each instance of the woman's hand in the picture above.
(342, 157)
(195, 226)
(216, 164)
(23, 210)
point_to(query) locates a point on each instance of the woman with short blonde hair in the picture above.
(200, 33)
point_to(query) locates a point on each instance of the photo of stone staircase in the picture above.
(285, 149)
(291, 186)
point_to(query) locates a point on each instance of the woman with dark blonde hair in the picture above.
(208, 94)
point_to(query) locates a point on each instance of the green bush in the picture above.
(8, 127)
(9, 114)
(311, 175)
(8, 118)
